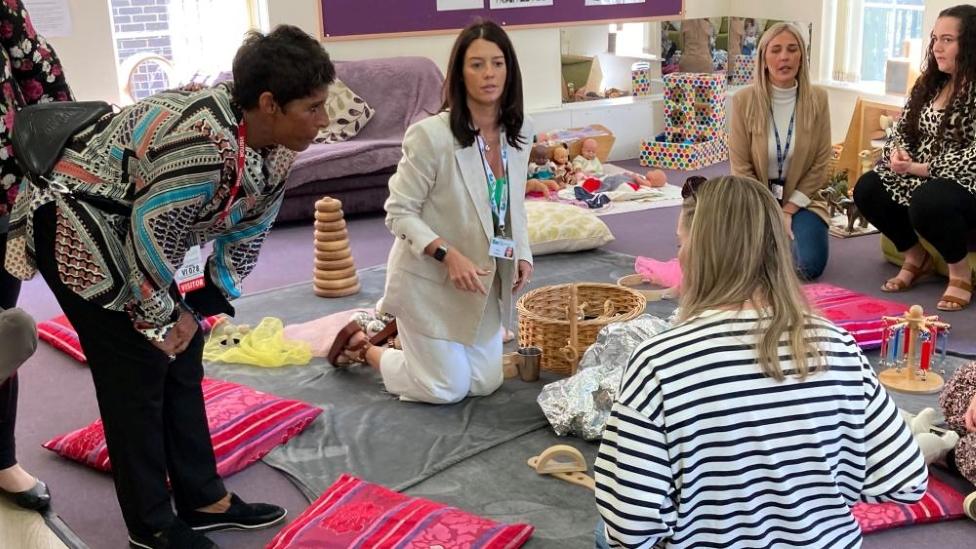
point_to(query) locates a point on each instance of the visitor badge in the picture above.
(189, 277)
(777, 190)
(502, 248)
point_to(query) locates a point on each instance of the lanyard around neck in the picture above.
(497, 191)
(781, 152)
(241, 160)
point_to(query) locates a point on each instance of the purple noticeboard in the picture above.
(359, 18)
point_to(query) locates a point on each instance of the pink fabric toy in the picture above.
(660, 273)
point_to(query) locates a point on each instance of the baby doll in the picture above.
(590, 174)
(541, 171)
(564, 172)
(586, 164)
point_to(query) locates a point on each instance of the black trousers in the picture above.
(941, 211)
(152, 409)
(9, 290)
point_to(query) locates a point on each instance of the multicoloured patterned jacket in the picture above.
(31, 73)
(148, 183)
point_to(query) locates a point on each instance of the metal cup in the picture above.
(529, 362)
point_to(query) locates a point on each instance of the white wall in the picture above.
(932, 9)
(695, 9)
(586, 40)
(88, 55)
(539, 61)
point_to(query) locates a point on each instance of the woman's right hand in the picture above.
(464, 274)
(900, 161)
(180, 336)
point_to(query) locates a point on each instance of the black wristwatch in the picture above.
(441, 252)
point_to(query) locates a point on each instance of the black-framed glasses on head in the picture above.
(690, 188)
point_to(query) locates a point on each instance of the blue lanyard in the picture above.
(497, 192)
(781, 155)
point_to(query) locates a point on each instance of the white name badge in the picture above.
(502, 248)
(189, 277)
(777, 190)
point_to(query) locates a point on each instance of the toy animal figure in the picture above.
(840, 203)
(934, 447)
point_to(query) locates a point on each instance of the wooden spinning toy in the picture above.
(335, 273)
(907, 346)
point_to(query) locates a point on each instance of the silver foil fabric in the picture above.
(580, 404)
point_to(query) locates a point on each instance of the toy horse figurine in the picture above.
(839, 203)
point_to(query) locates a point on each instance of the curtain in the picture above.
(847, 40)
(206, 34)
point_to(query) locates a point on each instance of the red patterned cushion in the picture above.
(859, 314)
(61, 335)
(355, 513)
(244, 426)
(940, 502)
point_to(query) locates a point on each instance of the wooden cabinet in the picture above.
(862, 147)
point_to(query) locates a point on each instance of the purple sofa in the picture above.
(402, 90)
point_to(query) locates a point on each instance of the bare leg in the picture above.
(914, 256)
(960, 271)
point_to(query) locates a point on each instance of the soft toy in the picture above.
(934, 447)
(586, 164)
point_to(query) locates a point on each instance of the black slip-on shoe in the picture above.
(240, 516)
(178, 536)
(35, 499)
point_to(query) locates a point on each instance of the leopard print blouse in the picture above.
(956, 160)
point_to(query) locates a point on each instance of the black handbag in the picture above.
(42, 130)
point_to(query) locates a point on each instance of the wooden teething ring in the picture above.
(328, 217)
(331, 245)
(328, 204)
(563, 462)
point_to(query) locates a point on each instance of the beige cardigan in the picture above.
(807, 172)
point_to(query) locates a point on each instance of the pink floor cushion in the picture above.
(244, 426)
(60, 334)
(859, 314)
(940, 502)
(358, 514)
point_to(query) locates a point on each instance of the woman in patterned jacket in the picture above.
(173, 171)
(31, 74)
(925, 183)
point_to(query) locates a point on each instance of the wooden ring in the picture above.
(339, 274)
(322, 235)
(328, 216)
(332, 256)
(328, 226)
(337, 293)
(336, 284)
(332, 246)
(333, 264)
(328, 204)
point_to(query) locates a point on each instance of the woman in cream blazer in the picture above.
(445, 288)
(782, 122)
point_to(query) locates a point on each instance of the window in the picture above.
(162, 43)
(869, 32)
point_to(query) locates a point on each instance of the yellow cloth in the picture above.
(264, 346)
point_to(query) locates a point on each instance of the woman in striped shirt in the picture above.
(752, 422)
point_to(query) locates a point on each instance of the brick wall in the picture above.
(143, 26)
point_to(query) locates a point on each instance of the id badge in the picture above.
(502, 248)
(189, 277)
(777, 190)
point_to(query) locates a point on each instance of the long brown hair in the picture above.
(511, 114)
(931, 81)
(738, 251)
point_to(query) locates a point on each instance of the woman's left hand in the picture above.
(523, 276)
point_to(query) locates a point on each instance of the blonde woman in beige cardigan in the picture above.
(781, 136)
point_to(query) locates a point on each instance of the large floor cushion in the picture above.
(894, 256)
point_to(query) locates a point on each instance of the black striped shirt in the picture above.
(702, 450)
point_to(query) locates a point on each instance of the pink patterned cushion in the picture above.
(940, 502)
(355, 513)
(859, 314)
(61, 335)
(244, 426)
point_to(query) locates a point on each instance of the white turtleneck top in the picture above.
(784, 104)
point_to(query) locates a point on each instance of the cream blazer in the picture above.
(440, 190)
(749, 150)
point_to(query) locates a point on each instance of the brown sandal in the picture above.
(388, 332)
(342, 340)
(353, 355)
(962, 284)
(896, 285)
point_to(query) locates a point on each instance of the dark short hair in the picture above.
(456, 95)
(286, 62)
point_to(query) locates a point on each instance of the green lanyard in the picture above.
(497, 187)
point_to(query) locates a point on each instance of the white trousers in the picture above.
(440, 371)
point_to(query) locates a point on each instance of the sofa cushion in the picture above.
(348, 114)
(555, 227)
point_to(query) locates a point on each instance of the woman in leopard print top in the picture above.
(925, 183)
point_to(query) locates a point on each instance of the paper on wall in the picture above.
(50, 17)
(454, 5)
(505, 4)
